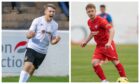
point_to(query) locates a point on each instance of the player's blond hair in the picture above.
(90, 5)
(49, 5)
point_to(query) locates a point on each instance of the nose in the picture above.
(52, 12)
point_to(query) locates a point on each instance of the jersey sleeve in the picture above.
(109, 18)
(54, 33)
(104, 24)
(33, 25)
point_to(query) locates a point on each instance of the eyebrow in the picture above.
(52, 10)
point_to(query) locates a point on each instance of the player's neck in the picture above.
(103, 13)
(48, 19)
(92, 19)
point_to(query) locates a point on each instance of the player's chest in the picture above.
(95, 26)
(42, 27)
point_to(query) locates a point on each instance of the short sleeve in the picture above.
(33, 25)
(109, 18)
(104, 24)
(54, 33)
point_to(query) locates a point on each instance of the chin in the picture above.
(92, 17)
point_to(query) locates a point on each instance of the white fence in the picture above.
(56, 62)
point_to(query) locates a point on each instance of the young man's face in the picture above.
(91, 12)
(50, 12)
(102, 9)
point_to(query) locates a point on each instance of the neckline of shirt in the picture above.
(46, 21)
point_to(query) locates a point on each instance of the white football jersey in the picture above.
(44, 31)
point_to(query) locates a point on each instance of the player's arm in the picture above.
(104, 24)
(111, 36)
(111, 23)
(84, 43)
(31, 33)
(54, 36)
(110, 20)
(55, 40)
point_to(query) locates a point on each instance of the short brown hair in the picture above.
(90, 5)
(49, 5)
(102, 5)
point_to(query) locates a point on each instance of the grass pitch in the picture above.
(37, 79)
(82, 69)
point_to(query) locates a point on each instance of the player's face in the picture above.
(102, 9)
(91, 12)
(50, 12)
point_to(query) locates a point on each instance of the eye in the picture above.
(53, 11)
(88, 11)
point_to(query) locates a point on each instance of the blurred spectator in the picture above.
(65, 8)
(30, 10)
(16, 7)
(105, 15)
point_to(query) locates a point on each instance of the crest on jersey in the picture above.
(96, 26)
(41, 24)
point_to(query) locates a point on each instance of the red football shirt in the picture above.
(102, 26)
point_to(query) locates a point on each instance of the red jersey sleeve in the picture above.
(105, 24)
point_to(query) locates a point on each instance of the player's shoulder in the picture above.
(100, 19)
(54, 23)
(38, 19)
(108, 15)
(89, 21)
(97, 18)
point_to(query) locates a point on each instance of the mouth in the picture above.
(91, 16)
(51, 16)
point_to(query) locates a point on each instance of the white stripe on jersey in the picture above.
(112, 47)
